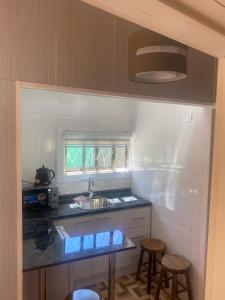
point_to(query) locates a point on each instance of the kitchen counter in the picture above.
(65, 210)
(43, 247)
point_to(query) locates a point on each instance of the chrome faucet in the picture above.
(91, 183)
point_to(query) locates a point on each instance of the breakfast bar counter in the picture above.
(46, 244)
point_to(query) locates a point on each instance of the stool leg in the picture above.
(154, 263)
(187, 275)
(174, 287)
(149, 283)
(165, 276)
(139, 264)
(162, 274)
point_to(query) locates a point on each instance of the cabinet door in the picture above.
(131, 257)
(137, 217)
(30, 285)
(100, 264)
(79, 270)
(103, 223)
(57, 282)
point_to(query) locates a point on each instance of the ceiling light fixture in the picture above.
(154, 58)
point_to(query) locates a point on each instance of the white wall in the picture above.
(171, 168)
(43, 112)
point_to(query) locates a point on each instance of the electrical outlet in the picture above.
(187, 117)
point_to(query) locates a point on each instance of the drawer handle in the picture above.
(134, 256)
(138, 219)
(139, 237)
(83, 223)
(103, 219)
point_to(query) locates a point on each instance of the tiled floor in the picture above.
(127, 288)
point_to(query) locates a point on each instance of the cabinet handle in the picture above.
(134, 256)
(83, 223)
(103, 219)
(138, 219)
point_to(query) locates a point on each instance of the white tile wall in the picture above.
(43, 112)
(170, 159)
(171, 168)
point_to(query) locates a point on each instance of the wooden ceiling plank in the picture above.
(158, 16)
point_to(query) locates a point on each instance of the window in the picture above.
(95, 155)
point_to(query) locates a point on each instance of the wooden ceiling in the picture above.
(197, 23)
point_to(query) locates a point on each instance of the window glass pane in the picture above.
(74, 157)
(120, 157)
(104, 157)
(89, 156)
(72, 245)
(102, 239)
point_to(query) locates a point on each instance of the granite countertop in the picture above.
(44, 247)
(65, 210)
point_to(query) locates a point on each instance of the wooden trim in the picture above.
(131, 96)
(215, 288)
(173, 20)
(19, 191)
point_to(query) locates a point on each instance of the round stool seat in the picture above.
(83, 294)
(175, 263)
(153, 245)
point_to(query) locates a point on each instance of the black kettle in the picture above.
(44, 176)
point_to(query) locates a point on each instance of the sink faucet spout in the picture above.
(90, 186)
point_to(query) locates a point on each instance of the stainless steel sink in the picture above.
(93, 203)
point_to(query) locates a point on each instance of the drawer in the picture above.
(136, 235)
(137, 217)
(107, 221)
(76, 226)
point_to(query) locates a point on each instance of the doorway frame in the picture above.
(66, 89)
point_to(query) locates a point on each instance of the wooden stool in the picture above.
(152, 247)
(175, 265)
(83, 294)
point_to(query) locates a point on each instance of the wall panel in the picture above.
(10, 202)
(73, 44)
(96, 46)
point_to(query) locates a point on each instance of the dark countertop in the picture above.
(43, 246)
(64, 209)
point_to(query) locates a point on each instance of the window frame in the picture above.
(62, 177)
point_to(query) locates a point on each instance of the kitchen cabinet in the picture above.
(135, 223)
(57, 279)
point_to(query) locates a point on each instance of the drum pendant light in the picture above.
(154, 58)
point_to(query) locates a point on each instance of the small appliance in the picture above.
(44, 176)
(40, 197)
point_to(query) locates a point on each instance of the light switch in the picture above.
(187, 117)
